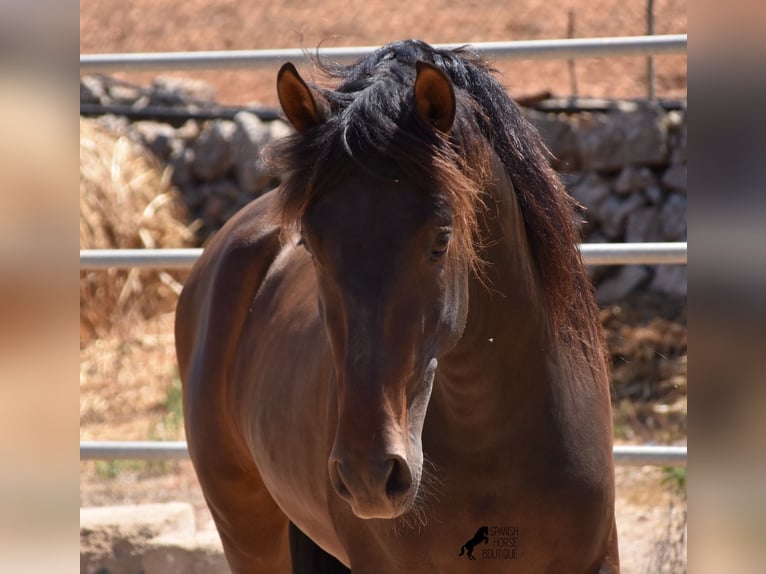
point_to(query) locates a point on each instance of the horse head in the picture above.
(385, 240)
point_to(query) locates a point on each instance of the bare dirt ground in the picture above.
(129, 387)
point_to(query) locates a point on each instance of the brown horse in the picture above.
(400, 344)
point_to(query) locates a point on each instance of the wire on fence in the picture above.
(254, 59)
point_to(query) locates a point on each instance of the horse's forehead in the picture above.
(374, 203)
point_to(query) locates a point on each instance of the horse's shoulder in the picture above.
(249, 239)
(217, 293)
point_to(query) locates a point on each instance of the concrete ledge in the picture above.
(174, 554)
(147, 539)
(149, 519)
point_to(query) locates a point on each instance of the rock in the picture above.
(632, 179)
(251, 132)
(225, 189)
(675, 120)
(180, 161)
(646, 133)
(559, 137)
(670, 279)
(177, 91)
(618, 286)
(643, 225)
(177, 554)
(189, 131)
(112, 539)
(280, 129)
(193, 196)
(678, 155)
(157, 136)
(596, 237)
(250, 136)
(654, 194)
(635, 134)
(674, 178)
(91, 90)
(116, 124)
(614, 211)
(678, 126)
(570, 180)
(673, 218)
(124, 95)
(212, 150)
(591, 192)
(255, 176)
(220, 200)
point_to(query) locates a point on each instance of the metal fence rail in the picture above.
(138, 258)
(177, 450)
(593, 254)
(254, 59)
(133, 450)
(634, 253)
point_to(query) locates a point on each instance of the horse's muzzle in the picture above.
(373, 488)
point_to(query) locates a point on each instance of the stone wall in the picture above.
(625, 163)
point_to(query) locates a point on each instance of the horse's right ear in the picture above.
(434, 96)
(305, 108)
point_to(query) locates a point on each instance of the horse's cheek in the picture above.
(452, 319)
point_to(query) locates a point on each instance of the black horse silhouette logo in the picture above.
(480, 536)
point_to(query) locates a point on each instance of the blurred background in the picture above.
(40, 488)
(616, 126)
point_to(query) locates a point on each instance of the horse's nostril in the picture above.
(339, 483)
(399, 478)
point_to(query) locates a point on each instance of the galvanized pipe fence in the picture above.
(593, 254)
(255, 59)
(624, 455)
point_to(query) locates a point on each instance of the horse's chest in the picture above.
(492, 525)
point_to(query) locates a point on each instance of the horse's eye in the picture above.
(440, 246)
(303, 243)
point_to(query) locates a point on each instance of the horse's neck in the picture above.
(505, 357)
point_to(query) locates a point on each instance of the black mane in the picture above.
(371, 114)
(369, 90)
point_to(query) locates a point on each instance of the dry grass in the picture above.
(129, 388)
(126, 201)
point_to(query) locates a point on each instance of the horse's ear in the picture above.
(434, 96)
(305, 108)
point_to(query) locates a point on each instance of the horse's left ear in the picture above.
(434, 96)
(303, 106)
